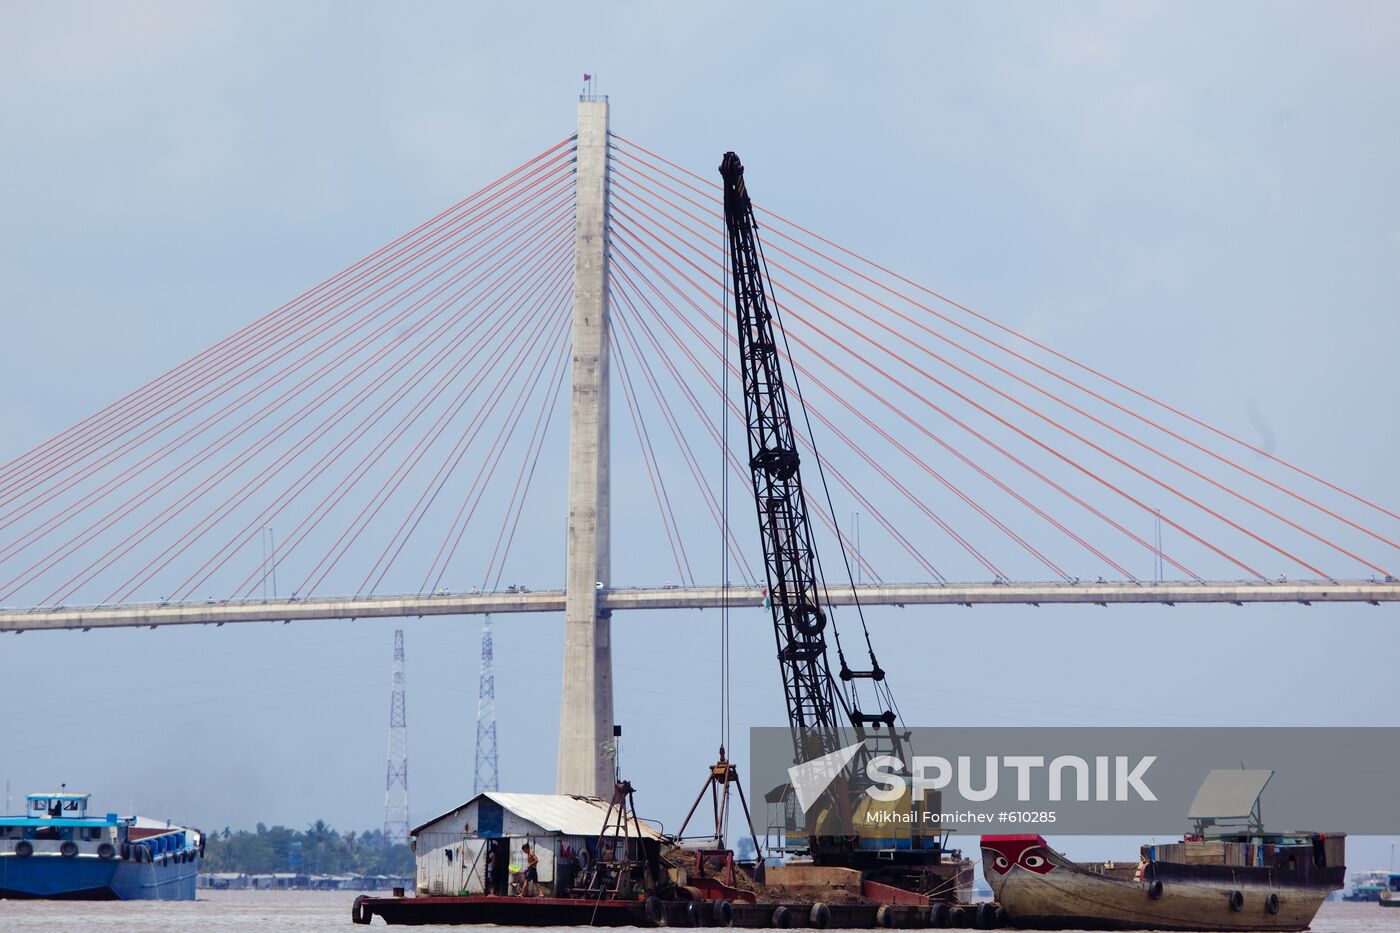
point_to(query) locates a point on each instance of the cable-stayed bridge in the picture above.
(391, 443)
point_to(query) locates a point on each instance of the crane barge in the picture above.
(856, 879)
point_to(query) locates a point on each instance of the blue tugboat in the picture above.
(55, 850)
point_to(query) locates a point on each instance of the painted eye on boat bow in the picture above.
(1036, 863)
(1000, 854)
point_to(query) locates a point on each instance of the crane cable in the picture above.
(724, 727)
(831, 509)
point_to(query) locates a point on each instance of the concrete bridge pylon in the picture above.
(586, 707)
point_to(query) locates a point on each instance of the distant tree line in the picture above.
(317, 850)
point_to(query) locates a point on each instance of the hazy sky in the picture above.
(1200, 198)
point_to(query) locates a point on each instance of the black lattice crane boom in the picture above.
(814, 703)
(819, 705)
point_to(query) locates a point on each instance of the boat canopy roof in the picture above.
(108, 820)
(1229, 794)
(59, 796)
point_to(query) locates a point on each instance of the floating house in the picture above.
(473, 848)
(223, 881)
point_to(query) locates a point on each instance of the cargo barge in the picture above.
(56, 851)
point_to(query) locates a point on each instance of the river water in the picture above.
(304, 911)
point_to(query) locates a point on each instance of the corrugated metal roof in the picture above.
(563, 813)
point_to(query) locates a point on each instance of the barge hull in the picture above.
(87, 878)
(569, 912)
(504, 911)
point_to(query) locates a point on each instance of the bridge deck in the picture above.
(700, 597)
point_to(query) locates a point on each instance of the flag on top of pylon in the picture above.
(587, 77)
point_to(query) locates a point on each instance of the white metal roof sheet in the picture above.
(563, 813)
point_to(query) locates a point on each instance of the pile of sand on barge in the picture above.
(797, 883)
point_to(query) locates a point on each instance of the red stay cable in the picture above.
(549, 297)
(467, 510)
(524, 477)
(707, 494)
(985, 474)
(977, 506)
(431, 491)
(53, 446)
(208, 375)
(347, 482)
(966, 399)
(396, 480)
(326, 393)
(242, 428)
(663, 503)
(954, 451)
(279, 359)
(870, 507)
(948, 484)
(360, 522)
(673, 423)
(707, 421)
(899, 536)
(342, 488)
(285, 371)
(968, 461)
(950, 364)
(1070, 360)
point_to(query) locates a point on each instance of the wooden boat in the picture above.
(1273, 883)
(1227, 875)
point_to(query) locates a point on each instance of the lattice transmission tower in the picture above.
(396, 774)
(487, 767)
